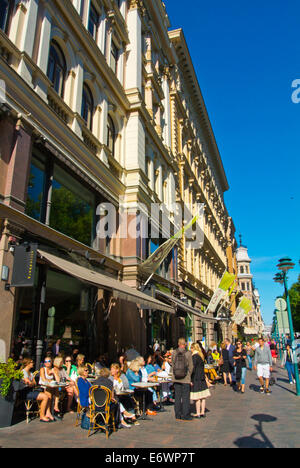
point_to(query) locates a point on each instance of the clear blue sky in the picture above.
(246, 56)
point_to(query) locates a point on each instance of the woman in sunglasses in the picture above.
(240, 357)
(31, 393)
(48, 375)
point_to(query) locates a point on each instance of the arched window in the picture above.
(87, 109)
(242, 270)
(111, 135)
(57, 68)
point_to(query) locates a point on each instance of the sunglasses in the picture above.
(47, 362)
(68, 360)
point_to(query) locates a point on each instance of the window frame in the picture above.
(114, 57)
(111, 135)
(53, 171)
(87, 107)
(8, 16)
(59, 67)
(93, 15)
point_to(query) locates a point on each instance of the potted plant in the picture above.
(10, 383)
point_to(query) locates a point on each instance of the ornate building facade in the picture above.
(102, 106)
(253, 324)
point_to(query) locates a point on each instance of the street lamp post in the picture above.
(285, 264)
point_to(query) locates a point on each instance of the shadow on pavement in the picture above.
(252, 441)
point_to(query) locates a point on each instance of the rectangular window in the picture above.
(114, 56)
(72, 207)
(57, 198)
(36, 190)
(93, 22)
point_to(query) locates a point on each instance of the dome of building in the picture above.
(242, 255)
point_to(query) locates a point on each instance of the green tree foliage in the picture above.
(71, 215)
(294, 294)
(8, 373)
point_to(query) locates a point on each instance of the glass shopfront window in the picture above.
(65, 316)
(72, 207)
(57, 198)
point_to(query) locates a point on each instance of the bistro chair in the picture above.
(100, 398)
(33, 407)
(80, 408)
(91, 367)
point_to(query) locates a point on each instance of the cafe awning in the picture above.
(186, 307)
(120, 290)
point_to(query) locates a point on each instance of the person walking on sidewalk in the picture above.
(289, 363)
(182, 369)
(263, 364)
(240, 356)
(250, 354)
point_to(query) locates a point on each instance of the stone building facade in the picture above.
(102, 106)
(253, 324)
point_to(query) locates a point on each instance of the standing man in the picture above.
(182, 369)
(263, 364)
(231, 349)
(56, 348)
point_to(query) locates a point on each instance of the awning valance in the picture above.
(120, 290)
(186, 307)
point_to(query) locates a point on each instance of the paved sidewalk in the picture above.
(233, 421)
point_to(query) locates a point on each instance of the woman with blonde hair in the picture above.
(133, 374)
(199, 391)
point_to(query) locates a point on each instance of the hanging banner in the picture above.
(152, 263)
(242, 311)
(219, 294)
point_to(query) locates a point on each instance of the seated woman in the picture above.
(166, 387)
(31, 394)
(74, 368)
(121, 384)
(211, 373)
(69, 367)
(64, 377)
(216, 356)
(116, 407)
(136, 374)
(133, 374)
(48, 375)
(83, 386)
(123, 363)
(153, 372)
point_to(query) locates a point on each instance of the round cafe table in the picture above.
(60, 386)
(160, 390)
(144, 386)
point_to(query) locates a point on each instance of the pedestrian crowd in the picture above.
(183, 378)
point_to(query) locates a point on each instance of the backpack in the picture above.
(180, 366)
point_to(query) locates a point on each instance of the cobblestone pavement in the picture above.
(233, 420)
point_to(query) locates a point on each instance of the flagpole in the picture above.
(150, 277)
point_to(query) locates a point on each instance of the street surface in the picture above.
(233, 421)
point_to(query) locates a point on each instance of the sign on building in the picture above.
(24, 265)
